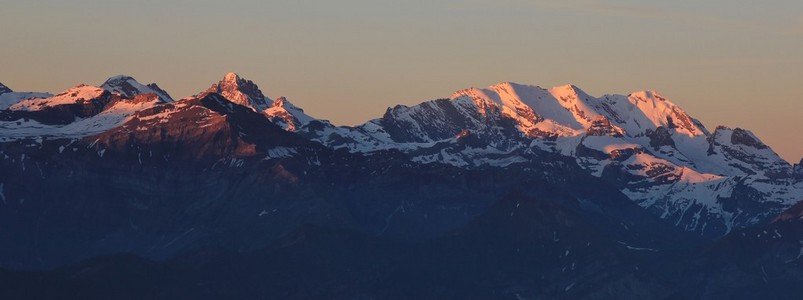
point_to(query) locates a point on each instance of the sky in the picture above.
(735, 63)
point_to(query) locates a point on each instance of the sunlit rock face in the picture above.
(241, 91)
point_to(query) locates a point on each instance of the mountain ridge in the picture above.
(654, 152)
(130, 87)
(507, 191)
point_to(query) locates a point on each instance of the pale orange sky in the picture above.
(735, 63)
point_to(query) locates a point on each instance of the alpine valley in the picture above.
(513, 191)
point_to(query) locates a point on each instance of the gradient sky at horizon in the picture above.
(735, 63)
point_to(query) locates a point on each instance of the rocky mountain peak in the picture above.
(287, 115)
(4, 89)
(279, 101)
(231, 77)
(744, 137)
(241, 91)
(129, 87)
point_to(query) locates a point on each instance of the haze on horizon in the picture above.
(729, 63)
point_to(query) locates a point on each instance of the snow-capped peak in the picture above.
(241, 91)
(659, 111)
(9, 97)
(287, 115)
(120, 77)
(568, 91)
(739, 136)
(4, 89)
(567, 110)
(129, 87)
(77, 94)
(743, 150)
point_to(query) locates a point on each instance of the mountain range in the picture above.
(510, 191)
